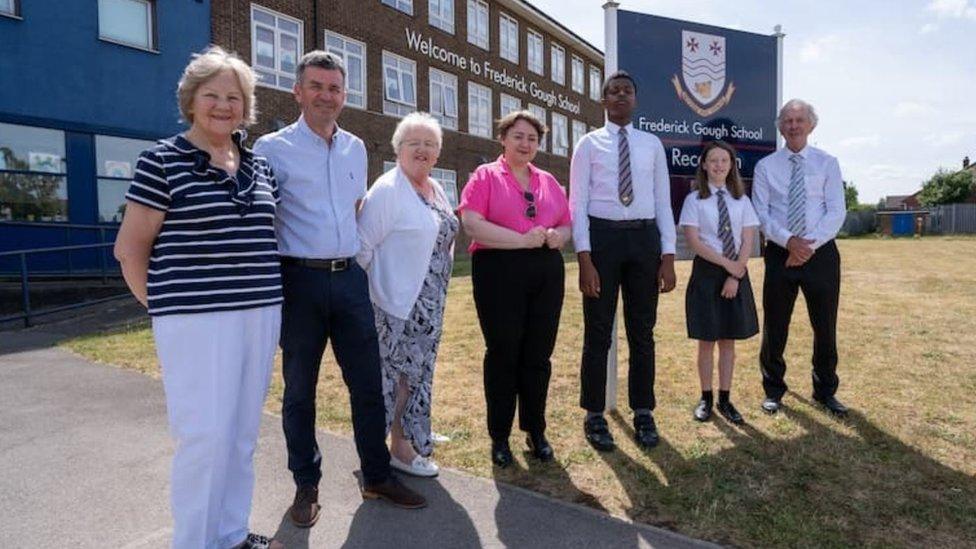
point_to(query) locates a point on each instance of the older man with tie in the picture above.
(799, 198)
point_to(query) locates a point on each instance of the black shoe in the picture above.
(539, 446)
(771, 405)
(703, 412)
(598, 434)
(645, 432)
(501, 453)
(730, 413)
(832, 405)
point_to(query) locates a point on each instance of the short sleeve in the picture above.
(149, 186)
(689, 211)
(560, 198)
(476, 193)
(749, 217)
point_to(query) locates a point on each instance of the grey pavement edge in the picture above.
(85, 452)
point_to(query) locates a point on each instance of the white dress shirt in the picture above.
(595, 185)
(319, 186)
(703, 214)
(825, 206)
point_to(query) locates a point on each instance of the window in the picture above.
(448, 180)
(444, 98)
(128, 22)
(353, 54)
(560, 139)
(478, 23)
(509, 104)
(596, 83)
(479, 110)
(115, 159)
(399, 85)
(540, 113)
(276, 45)
(33, 174)
(536, 53)
(9, 7)
(441, 14)
(579, 130)
(557, 64)
(577, 82)
(406, 6)
(508, 38)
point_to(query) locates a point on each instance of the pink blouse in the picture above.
(493, 192)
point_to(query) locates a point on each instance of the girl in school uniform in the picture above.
(720, 227)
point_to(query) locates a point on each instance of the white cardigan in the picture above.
(398, 232)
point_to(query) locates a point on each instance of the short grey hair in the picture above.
(412, 121)
(208, 64)
(323, 60)
(798, 104)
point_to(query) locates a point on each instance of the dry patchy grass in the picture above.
(900, 471)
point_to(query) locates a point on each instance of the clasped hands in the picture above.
(536, 237)
(736, 269)
(801, 250)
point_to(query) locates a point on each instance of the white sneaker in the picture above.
(438, 438)
(419, 467)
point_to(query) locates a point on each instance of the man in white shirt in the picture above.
(321, 174)
(624, 234)
(798, 194)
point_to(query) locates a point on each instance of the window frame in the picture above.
(474, 8)
(487, 123)
(364, 62)
(62, 174)
(557, 149)
(445, 119)
(553, 48)
(438, 20)
(401, 106)
(396, 4)
(14, 12)
(577, 62)
(147, 143)
(505, 41)
(596, 90)
(540, 54)
(452, 197)
(152, 46)
(501, 104)
(574, 139)
(536, 110)
(277, 70)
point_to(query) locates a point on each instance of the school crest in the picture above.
(702, 85)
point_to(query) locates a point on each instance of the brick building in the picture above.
(468, 62)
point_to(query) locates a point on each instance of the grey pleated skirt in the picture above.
(710, 316)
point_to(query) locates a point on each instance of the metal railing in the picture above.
(68, 229)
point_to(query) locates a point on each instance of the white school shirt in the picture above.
(825, 205)
(595, 185)
(703, 213)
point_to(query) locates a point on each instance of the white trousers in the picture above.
(216, 369)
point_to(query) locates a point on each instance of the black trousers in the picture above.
(819, 280)
(519, 296)
(319, 305)
(627, 261)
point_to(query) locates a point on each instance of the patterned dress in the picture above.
(408, 348)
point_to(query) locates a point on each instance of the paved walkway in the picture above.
(84, 456)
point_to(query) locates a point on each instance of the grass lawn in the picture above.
(900, 471)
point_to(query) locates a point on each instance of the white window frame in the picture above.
(506, 103)
(448, 181)
(579, 130)
(596, 83)
(150, 6)
(540, 112)
(399, 106)
(560, 139)
(508, 37)
(444, 82)
(354, 98)
(406, 6)
(481, 128)
(478, 27)
(439, 16)
(14, 10)
(277, 72)
(535, 51)
(578, 82)
(557, 63)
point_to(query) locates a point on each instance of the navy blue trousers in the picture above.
(321, 305)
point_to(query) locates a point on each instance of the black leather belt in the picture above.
(600, 223)
(333, 265)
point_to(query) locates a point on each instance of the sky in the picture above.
(893, 82)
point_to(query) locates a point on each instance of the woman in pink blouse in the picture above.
(518, 219)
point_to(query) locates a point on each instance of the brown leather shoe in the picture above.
(304, 510)
(395, 492)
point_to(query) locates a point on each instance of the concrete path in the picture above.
(84, 461)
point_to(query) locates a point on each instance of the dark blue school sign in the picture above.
(697, 83)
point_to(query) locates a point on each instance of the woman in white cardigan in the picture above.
(407, 229)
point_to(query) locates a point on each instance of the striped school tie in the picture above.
(796, 215)
(725, 228)
(626, 184)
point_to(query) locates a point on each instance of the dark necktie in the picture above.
(725, 228)
(626, 184)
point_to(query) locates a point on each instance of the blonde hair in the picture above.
(416, 120)
(204, 66)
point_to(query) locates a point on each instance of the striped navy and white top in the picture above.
(216, 250)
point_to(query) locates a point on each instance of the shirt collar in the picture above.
(533, 171)
(716, 189)
(615, 129)
(181, 144)
(804, 152)
(307, 131)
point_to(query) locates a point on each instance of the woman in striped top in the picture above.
(197, 247)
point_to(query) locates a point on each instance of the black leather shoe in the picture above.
(771, 405)
(730, 413)
(703, 412)
(645, 432)
(598, 434)
(501, 453)
(539, 446)
(832, 405)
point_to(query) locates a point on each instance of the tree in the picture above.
(850, 196)
(947, 187)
